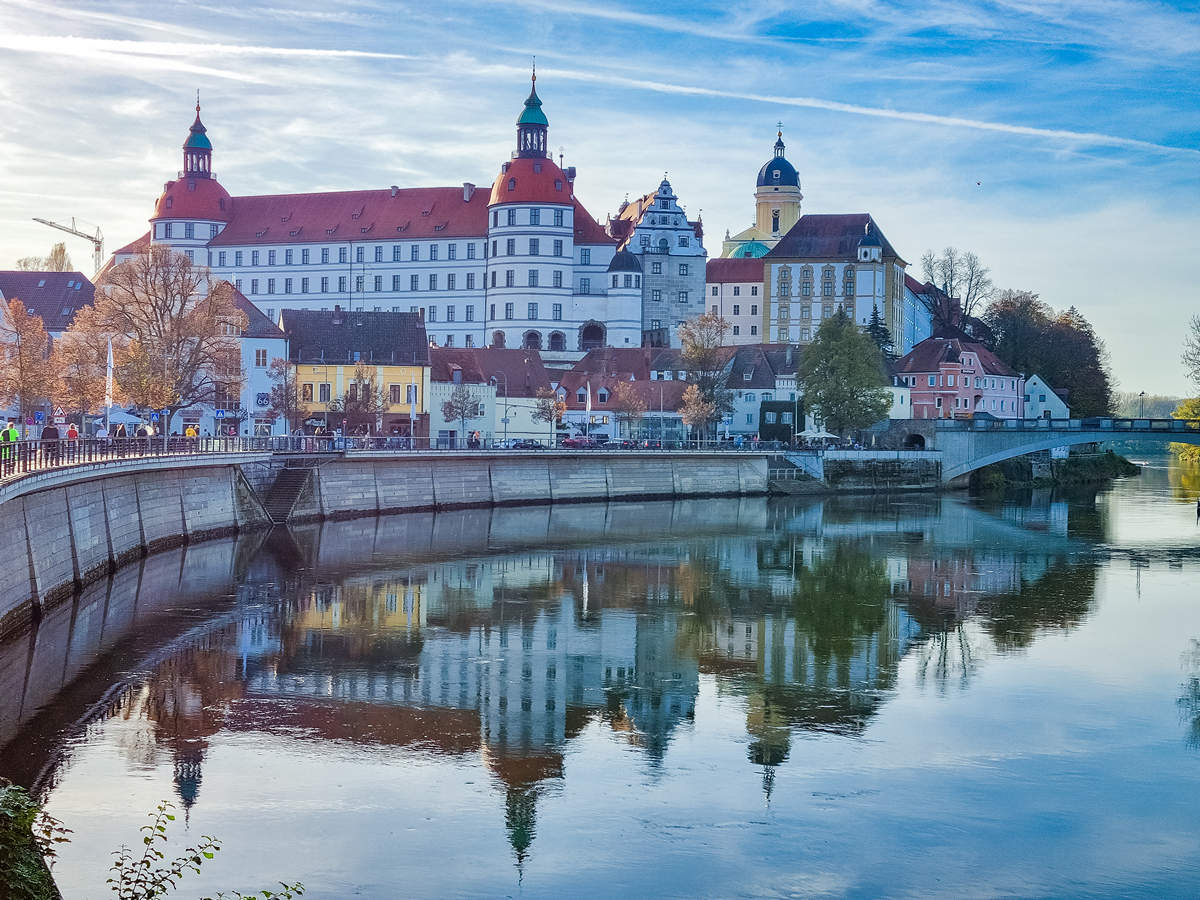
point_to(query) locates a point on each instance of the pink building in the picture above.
(952, 378)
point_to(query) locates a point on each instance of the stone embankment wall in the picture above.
(64, 528)
(67, 527)
(351, 486)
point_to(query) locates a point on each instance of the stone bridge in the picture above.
(967, 445)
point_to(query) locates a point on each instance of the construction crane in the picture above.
(97, 239)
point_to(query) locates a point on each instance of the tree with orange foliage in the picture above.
(26, 374)
(80, 359)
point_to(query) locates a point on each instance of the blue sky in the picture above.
(1059, 140)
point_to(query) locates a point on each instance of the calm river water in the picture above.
(922, 696)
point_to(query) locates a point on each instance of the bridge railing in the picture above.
(1102, 423)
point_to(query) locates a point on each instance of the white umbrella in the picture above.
(823, 435)
(118, 416)
(809, 433)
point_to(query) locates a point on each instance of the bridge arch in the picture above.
(964, 451)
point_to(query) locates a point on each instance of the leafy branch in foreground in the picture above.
(150, 875)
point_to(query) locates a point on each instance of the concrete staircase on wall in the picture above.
(288, 486)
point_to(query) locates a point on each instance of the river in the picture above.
(916, 696)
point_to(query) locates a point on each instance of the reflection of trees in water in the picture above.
(839, 600)
(1184, 479)
(961, 635)
(1189, 697)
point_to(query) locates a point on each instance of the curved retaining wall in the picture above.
(366, 485)
(63, 528)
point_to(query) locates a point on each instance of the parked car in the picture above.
(526, 444)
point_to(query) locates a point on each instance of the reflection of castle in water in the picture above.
(802, 615)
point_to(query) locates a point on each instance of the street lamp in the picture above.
(1142, 405)
(505, 419)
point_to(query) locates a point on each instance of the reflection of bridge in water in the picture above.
(504, 634)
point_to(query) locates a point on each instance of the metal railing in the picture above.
(1131, 426)
(19, 458)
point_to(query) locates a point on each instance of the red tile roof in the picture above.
(54, 296)
(667, 394)
(587, 229)
(736, 269)
(194, 198)
(257, 324)
(927, 357)
(520, 371)
(531, 180)
(828, 237)
(134, 246)
(355, 215)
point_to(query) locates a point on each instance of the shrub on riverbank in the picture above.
(1081, 469)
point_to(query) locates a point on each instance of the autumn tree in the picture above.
(960, 275)
(698, 410)
(462, 406)
(58, 261)
(1191, 350)
(1062, 347)
(1187, 409)
(81, 363)
(705, 359)
(175, 333)
(285, 394)
(628, 405)
(841, 372)
(27, 375)
(549, 408)
(363, 403)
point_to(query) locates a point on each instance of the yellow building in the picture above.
(361, 371)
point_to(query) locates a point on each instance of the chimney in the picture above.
(468, 191)
(395, 188)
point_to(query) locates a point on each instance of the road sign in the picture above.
(154, 417)
(58, 412)
(38, 416)
(220, 414)
(504, 421)
(29, 421)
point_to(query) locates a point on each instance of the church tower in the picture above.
(777, 195)
(776, 207)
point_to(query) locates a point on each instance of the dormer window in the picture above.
(775, 174)
(512, 184)
(558, 184)
(170, 202)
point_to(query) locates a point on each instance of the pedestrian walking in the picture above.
(50, 448)
(8, 447)
(72, 442)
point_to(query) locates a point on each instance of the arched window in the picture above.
(662, 243)
(591, 336)
(558, 341)
(775, 215)
(498, 339)
(532, 341)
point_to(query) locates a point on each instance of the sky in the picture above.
(1058, 139)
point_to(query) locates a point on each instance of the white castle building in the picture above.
(522, 266)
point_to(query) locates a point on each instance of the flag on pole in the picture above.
(108, 385)
(589, 403)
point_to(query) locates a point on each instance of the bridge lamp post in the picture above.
(1142, 404)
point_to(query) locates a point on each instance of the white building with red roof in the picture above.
(524, 265)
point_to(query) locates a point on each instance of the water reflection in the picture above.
(501, 636)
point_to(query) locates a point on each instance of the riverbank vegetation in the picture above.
(1078, 469)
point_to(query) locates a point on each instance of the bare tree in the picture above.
(1191, 350)
(58, 261)
(629, 406)
(961, 275)
(462, 406)
(363, 403)
(706, 361)
(549, 409)
(285, 394)
(175, 333)
(26, 375)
